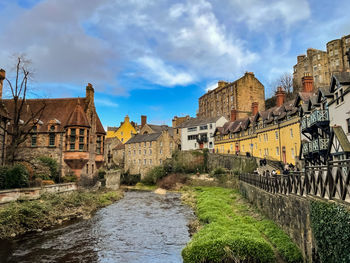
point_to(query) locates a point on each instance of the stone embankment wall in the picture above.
(11, 195)
(239, 164)
(112, 179)
(290, 212)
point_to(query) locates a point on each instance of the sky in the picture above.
(157, 57)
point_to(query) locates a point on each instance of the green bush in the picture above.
(53, 167)
(155, 174)
(13, 177)
(70, 177)
(129, 179)
(330, 225)
(101, 174)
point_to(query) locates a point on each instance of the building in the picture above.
(146, 150)
(325, 123)
(237, 95)
(4, 119)
(176, 123)
(272, 134)
(322, 64)
(68, 130)
(198, 133)
(113, 156)
(124, 132)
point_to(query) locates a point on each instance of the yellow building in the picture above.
(125, 131)
(272, 134)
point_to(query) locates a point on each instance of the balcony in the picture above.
(315, 146)
(319, 117)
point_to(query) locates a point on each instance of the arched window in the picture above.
(52, 136)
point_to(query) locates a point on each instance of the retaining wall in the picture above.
(11, 195)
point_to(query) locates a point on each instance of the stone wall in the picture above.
(112, 179)
(12, 195)
(290, 212)
(239, 164)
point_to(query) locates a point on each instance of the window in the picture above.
(336, 52)
(210, 144)
(319, 56)
(331, 53)
(348, 120)
(98, 144)
(192, 137)
(34, 136)
(211, 126)
(121, 133)
(52, 136)
(81, 139)
(144, 152)
(291, 133)
(134, 152)
(161, 144)
(276, 133)
(192, 129)
(144, 161)
(277, 150)
(144, 144)
(203, 127)
(72, 139)
(341, 95)
(150, 151)
(150, 144)
(337, 62)
(160, 151)
(87, 168)
(150, 161)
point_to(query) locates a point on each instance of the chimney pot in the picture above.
(255, 108)
(233, 115)
(308, 83)
(143, 120)
(280, 96)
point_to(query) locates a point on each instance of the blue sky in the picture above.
(157, 57)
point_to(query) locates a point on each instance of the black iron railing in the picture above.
(331, 181)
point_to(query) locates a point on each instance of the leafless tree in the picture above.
(285, 81)
(23, 116)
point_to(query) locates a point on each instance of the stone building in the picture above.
(238, 95)
(322, 64)
(113, 158)
(68, 130)
(4, 118)
(146, 150)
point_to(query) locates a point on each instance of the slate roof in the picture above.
(144, 138)
(343, 140)
(199, 121)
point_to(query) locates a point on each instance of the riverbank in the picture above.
(51, 210)
(231, 230)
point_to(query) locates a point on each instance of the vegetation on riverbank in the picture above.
(52, 209)
(232, 231)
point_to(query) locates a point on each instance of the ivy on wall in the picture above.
(330, 225)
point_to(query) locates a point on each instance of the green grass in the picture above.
(231, 233)
(21, 217)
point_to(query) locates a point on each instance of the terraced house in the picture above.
(273, 134)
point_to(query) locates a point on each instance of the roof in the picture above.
(160, 128)
(67, 111)
(343, 140)
(342, 78)
(148, 137)
(199, 121)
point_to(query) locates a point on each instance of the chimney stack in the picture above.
(255, 108)
(90, 94)
(280, 96)
(143, 120)
(233, 115)
(2, 77)
(308, 83)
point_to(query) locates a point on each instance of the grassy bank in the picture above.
(232, 231)
(21, 217)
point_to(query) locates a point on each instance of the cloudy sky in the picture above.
(156, 57)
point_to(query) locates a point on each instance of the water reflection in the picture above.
(142, 227)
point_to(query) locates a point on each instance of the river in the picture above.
(142, 227)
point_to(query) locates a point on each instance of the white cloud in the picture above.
(105, 103)
(211, 86)
(158, 72)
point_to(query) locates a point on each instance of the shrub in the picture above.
(129, 179)
(330, 225)
(13, 177)
(70, 177)
(170, 181)
(155, 174)
(53, 167)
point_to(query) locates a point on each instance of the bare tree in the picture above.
(285, 81)
(23, 116)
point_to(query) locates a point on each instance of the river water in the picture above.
(142, 227)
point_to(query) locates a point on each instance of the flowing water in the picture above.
(142, 227)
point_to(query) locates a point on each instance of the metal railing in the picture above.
(330, 182)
